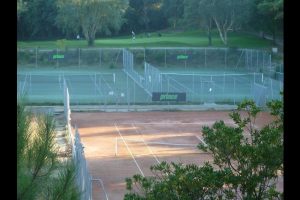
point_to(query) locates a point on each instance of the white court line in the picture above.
(201, 140)
(181, 123)
(129, 150)
(145, 143)
(161, 143)
(101, 182)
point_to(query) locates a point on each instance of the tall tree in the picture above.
(143, 15)
(21, 7)
(226, 14)
(246, 162)
(38, 21)
(37, 160)
(272, 12)
(173, 11)
(91, 16)
(223, 13)
(198, 14)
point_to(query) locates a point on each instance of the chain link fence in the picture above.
(82, 177)
(115, 76)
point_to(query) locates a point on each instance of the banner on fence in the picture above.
(168, 96)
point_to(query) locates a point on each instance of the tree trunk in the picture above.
(90, 42)
(220, 31)
(225, 37)
(209, 33)
(209, 36)
(91, 38)
(209, 39)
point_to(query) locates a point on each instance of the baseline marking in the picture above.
(161, 143)
(182, 123)
(129, 150)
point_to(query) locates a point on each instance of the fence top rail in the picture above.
(207, 74)
(62, 73)
(134, 48)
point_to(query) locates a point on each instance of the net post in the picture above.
(114, 76)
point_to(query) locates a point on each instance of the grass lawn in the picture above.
(172, 39)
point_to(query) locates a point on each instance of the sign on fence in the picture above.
(168, 96)
(58, 56)
(182, 57)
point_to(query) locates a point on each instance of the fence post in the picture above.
(56, 57)
(234, 91)
(270, 62)
(185, 59)
(79, 57)
(36, 57)
(256, 60)
(263, 61)
(128, 92)
(225, 58)
(271, 87)
(193, 86)
(100, 53)
(204, 57)
(144, 54)
(165, 57)
(251, 58)
(133, 93)
(224, 82)
(30, 89)
(245, 58)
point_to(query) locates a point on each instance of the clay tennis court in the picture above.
(119, 145)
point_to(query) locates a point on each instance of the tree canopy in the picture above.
(246, 161)
(49, 19)
(91, 16)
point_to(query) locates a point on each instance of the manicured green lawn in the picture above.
(179, 39)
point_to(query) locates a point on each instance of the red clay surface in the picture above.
(143, 139)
